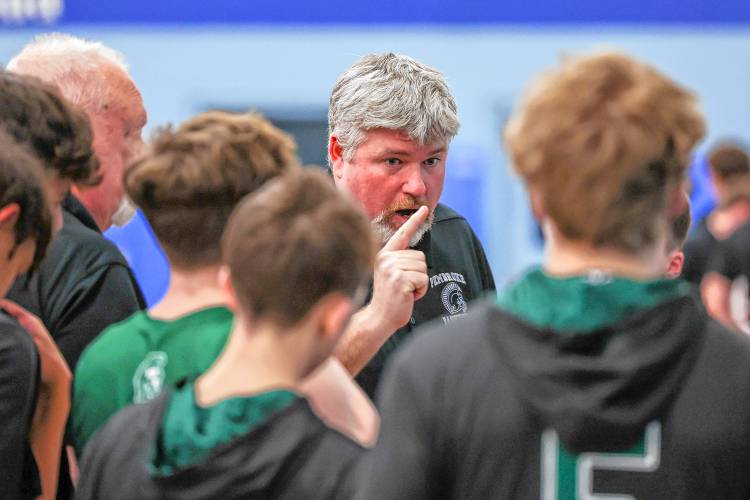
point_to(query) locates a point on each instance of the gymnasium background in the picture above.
(282, 58)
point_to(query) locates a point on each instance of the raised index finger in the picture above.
(400, 240)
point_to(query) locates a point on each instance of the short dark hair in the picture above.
(191, 178)
(728, 159)
(57, 132)
(294, 241)
(21, 183)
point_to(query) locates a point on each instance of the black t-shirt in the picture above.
(19, 380)
(698, 249)
(731, 257)
(459, 273)
(83, 286)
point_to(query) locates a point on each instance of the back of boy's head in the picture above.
(727, 160)
(57, 132)
(599, 140)
(21, 183)
(292, 243)
(192, 177)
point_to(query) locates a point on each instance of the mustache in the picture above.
(408, 203)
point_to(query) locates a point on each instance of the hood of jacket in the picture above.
(598, 357)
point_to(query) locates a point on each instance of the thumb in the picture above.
(400, 240)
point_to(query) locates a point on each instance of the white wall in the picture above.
(179, 71)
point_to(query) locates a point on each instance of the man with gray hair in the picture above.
(85, 284)
(391, 120)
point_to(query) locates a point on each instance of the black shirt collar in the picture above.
(74, 207)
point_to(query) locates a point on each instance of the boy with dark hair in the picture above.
(34, 382)
(58, 134)
(594, 375)
(240, 430)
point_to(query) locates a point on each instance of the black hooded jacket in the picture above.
(655, 407)
(293, 455)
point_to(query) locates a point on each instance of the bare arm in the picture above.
(341, 403)
(399, 279)
(715, 293)
(364, 336)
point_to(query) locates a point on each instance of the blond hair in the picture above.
(599, 139)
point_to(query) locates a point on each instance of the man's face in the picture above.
(392, 176)
(117, 139)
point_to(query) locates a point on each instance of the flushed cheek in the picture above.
(369, 192)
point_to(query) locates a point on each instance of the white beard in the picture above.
(384, 231)
(124, 213)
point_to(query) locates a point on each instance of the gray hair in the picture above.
(77, 67)
(395, 92)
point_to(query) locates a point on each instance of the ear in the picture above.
(336, 155)
(9, 215)
(335, 310)
(227, 287)
(676, 261)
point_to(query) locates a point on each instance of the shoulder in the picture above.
(332, 466)
(450, 230)
(297, 429)
(117, 342)
(16, 345)
(732, 348)
(133, 420)
(443, 213)
(457, 344)
(447, 219)
(118, 450)
(78, 241)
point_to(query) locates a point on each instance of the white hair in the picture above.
(74, 65)
(395, 92)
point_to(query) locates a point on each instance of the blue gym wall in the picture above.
(184, 60)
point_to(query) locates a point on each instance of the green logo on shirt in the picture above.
(148, 379)
(566, 476)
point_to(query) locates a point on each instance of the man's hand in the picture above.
(400, 278)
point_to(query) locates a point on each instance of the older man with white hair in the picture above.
(391, 121)
(85, 284)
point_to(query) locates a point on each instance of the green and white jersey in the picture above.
(132, 361)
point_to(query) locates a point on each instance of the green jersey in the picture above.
(132, 361)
